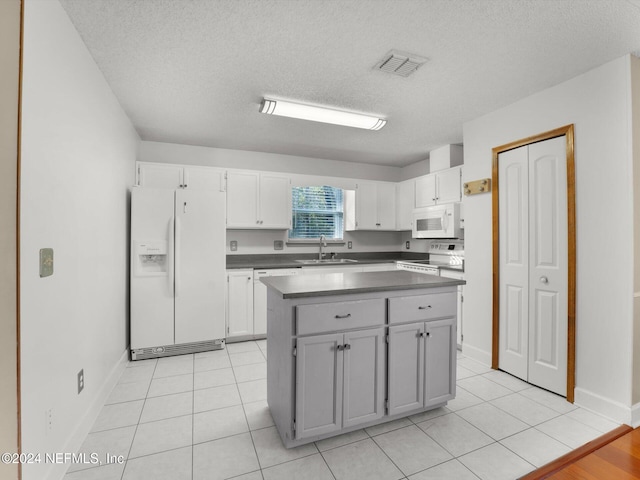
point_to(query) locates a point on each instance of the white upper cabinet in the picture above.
(366, 206)
(371, 207)
(274, 201)
(438, 188)
(405, 201)
(449, 185)
(242, 199)
(155, 175)
(425, 190)
(203, 178)
(258, 200)
(158, 175)
(386, 206)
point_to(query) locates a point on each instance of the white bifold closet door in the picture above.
(533, 263)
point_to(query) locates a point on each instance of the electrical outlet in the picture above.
(233, 245)
(48, 418)
(46, 262)
(80, 381)
(349, 245)
(407, 245)
(278, 244)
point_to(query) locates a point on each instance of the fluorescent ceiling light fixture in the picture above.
(321, 114)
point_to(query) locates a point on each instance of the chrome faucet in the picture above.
(322, 243)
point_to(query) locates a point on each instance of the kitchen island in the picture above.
(351, 350)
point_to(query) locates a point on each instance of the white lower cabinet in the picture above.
(239, 311)
(421, 364)
(340, 381)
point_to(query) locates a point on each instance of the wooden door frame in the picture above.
(566, 131)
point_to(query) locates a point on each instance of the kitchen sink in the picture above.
(316, 261)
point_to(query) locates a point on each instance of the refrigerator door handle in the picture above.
(171, 252)
(176, 281)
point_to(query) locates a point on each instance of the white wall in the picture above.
(9, 76)
(598, 103)
(261, 242)
(635, 132)
(78, 154)
(417, 169)
(220, 157)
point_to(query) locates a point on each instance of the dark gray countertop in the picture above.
(289, 260)
(299, 286)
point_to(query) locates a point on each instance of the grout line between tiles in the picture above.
(385, 453)
(133, 438)
(255, 450)
(193, 416)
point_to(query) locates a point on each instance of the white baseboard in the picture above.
(80, 434)
(606, 407)
(635, 415)
(477, 354)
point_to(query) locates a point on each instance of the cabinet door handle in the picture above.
(424, 308)
(347, 346)
(340, 348)
(343, 316)
(428, 334)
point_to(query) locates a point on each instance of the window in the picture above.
(317, 211)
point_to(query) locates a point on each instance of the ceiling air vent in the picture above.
(400, 63)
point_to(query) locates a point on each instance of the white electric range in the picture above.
(442, 256)
(446, 259)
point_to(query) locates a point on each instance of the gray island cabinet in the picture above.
(351, 350)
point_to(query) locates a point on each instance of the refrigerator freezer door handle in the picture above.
(171, 252)
(176, 281)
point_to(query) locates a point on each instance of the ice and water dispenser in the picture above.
(151, 258)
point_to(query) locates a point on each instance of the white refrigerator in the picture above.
(177, 271)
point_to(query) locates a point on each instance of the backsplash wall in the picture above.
(252, 242)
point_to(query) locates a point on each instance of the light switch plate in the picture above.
(46, 262)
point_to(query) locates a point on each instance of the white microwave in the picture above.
(438, 221)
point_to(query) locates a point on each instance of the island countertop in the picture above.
(299, 286)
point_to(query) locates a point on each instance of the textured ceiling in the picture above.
(195, 71)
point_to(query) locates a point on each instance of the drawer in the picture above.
(332, 317)
(422, 307)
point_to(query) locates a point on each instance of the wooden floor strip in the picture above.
(546, 471)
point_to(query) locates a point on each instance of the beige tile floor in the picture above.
(205, 417)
